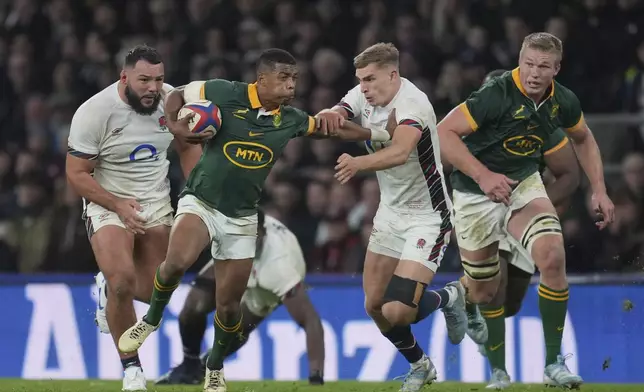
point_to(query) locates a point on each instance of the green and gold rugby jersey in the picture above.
(510, 130)
(230, 175)
(555, 142)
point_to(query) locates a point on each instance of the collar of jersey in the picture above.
(253, 98)
(517, 82)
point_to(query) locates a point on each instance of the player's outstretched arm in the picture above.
(335, 123)
(301, 309)
(562, 164)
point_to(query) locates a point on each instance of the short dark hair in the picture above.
(270, 57)
(142, 52)
(493, 74)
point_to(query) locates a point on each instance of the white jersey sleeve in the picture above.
(87, 131)
(353, 102)
(416, 112)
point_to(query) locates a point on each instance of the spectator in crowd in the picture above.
(56, 53)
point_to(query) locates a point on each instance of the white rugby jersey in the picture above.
(130, 149)
(278, 268)
(418, 184)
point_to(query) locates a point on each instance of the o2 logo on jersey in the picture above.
(144, 152)
(248, 155)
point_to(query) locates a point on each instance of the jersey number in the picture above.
(143, 155)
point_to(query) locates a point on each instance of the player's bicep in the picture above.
(580, 131)
(85, 133)
(298, 304)
(458, 121)
(561, 159)
(407, 137)
(76, 165)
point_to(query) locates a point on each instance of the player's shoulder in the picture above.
(102, 102)
(273, 224)
(98, 108)
(293, 112)
(564, 95)
(500, 85)
(412, 96)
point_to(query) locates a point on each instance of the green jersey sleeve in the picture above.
(555, 141)
(484, 106)
(571, 115)
(305, 123)
(216, 90)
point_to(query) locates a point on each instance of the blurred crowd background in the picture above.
(56, 53)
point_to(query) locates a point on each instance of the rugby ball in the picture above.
(207, 116)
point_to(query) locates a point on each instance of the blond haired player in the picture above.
(117, 162)
(494, 142)
(412, 225)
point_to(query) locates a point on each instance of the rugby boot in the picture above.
(420, 374)
(455, 315)
(558, 375)
(100, 316)
(134, 380)
(499, 380)
(133, 338)
(476, 327)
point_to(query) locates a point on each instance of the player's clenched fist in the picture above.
(603, 206)
(328, 121)
(128, 211)
(497, 187)
(346, 168)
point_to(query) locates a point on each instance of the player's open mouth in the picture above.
(147, 100)
(534, 84)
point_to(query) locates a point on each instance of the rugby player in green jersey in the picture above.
(218, 206)
(494, 141)
(560, 173)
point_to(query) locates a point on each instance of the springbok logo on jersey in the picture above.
(523, 145)
(554, 111)
(248, 155)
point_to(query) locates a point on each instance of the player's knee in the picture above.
(373, 307)
(122, 286)
(401, 299)
(228, 310)
(550, 256)
(398, 314)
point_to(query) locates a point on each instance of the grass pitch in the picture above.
(11, 385)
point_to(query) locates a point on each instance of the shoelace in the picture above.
(215, 380)
(563, 359)
(138, 331)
